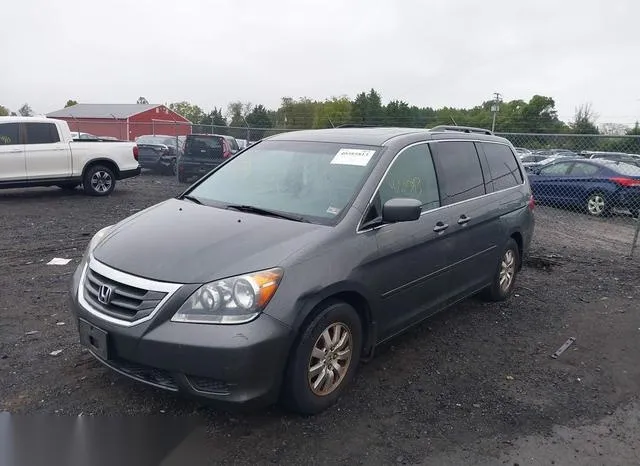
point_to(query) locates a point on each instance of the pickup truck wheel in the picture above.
(99, 181)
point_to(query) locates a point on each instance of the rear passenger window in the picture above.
(459, 171)
(584, 169)
(9, 134)
(41, 133)
(412, 175)
(504, 169)
(556, 169)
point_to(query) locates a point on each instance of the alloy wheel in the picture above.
(101, 181)
(330, 359)
(595, 204)
(507, 270)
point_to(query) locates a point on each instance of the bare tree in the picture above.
(25, 110)
(613, 129)
(584, 121)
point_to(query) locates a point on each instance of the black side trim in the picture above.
(39, 182)
(129, 173)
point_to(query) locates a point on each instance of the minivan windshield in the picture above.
(314, 181)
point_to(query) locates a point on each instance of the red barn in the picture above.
(123, 121)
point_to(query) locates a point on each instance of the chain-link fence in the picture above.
(595, 178)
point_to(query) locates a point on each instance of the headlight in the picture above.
(233, 300)
(97, 238)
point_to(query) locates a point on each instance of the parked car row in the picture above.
(595, 186)
(595, 182)
(535, 158)
(186, 156)
(38, 151)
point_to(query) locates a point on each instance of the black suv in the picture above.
(288, 263)
(204, 152)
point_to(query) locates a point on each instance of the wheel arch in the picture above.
(102, 161)
(349, 293)
(517, 237)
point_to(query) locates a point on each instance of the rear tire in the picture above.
(597, 205)
(324, 361)
(98, 180)
(504, 278)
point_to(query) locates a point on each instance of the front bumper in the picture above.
(231, 364)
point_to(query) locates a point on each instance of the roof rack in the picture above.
(462, 129)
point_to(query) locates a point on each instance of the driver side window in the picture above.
(412, 175)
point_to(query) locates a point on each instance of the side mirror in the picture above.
(401, 210)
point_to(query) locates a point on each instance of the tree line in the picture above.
(537, 115)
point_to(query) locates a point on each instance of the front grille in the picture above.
(145, 373)
(207, 385)
(127, 302)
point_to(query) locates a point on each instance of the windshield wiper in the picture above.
(270, 213)
(191, 198)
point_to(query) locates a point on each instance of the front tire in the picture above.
(504, 278)
(99, 181)
(324, 361)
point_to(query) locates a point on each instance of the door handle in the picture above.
(440, 226)
(463, 220)
(13, 151)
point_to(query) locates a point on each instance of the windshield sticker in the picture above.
(358, 157)
(333, 210)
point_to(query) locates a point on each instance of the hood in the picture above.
(182, 242)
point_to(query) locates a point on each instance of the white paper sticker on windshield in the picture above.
(333, 210)
(359, 157)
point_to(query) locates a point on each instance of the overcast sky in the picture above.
(428, 53)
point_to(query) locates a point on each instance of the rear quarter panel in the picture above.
(121, 153)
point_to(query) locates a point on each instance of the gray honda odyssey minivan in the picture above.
(277, 272)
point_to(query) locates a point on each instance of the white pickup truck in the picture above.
(38, 151)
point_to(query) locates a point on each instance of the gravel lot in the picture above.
(474, 385)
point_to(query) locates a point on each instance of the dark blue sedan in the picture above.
(596, 186)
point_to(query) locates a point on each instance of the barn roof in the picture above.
(118, 111)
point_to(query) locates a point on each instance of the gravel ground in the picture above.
(473, 385)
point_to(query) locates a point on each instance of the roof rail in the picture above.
(463, 129)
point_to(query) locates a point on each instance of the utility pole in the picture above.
(495, 108)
